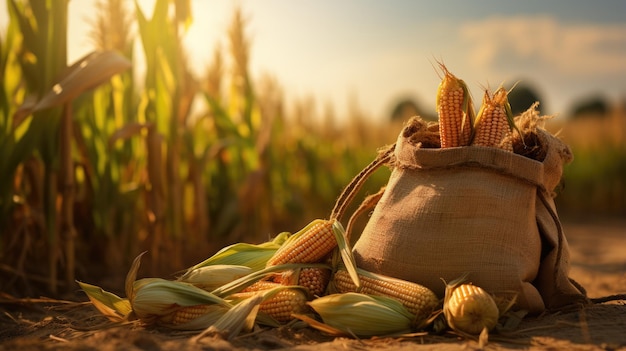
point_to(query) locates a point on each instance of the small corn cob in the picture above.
(310, 245)
(418, 299)
(470, 309)
(283, 304)
(494, 121)
(315, 280)
(455, 109)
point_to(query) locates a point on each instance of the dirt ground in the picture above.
(598, 256)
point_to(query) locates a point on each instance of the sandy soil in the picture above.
(598, 253)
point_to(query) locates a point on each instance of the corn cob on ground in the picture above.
(357, 314)
(418, 299)
(470, 309)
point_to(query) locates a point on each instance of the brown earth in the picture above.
(598, 256)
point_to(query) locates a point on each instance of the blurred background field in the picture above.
(100, 162)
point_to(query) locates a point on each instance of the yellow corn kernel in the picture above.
(315, 280)
(311, 246)
(418, 299)
(186, 314)
(494, 121)
(455, 110)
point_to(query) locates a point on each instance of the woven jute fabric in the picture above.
(475, 211)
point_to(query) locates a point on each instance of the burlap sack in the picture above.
(478, 211)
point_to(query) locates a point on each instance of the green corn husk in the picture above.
(345, 252)
(212, 277)
(244, 254)
(362, 315)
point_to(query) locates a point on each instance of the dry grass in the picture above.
(594, 184)
(592, 132)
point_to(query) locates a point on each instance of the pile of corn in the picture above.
(311, 276)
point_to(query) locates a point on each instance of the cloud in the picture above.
(542, 41)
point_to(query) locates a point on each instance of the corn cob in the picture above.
(315, 280)
(470, 309)
(180, 305)
(359, 314)
(280, 306)
(455, 110)
(310, 245)
(176, 305)
(494, 121)
(418, 299)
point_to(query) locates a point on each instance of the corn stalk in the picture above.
(169, 92)
(11, 90)
(85, 74)
(42, 57)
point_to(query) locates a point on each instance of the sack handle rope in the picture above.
(384, 156)
(369, 203)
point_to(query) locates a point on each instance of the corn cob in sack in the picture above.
(473, 210)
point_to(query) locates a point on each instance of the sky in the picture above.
(375, 53)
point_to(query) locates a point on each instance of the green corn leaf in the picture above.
(87, 73)
(346, 253)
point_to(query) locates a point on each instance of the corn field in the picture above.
(99, 164)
